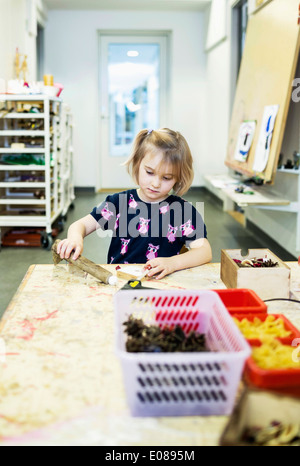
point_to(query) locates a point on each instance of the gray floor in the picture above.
(223, 233)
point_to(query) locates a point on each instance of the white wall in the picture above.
(12, 34)
(71, 52)
(219, 76)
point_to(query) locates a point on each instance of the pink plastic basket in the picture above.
(181, 384)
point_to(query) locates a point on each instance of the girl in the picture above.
(148, 224)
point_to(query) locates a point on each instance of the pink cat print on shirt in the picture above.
(164, 209)
(187, 228)
(143, 226)
(132, 202)
(171, 235)
(106, 213)
(124, 245)
(151, 251)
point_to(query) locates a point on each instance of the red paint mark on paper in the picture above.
(29, 330)
(51, 315)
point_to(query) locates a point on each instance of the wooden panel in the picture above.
(267, 71)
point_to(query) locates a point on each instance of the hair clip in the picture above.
(149, 131)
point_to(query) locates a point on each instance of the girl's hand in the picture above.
(66, 246)
(160, 265)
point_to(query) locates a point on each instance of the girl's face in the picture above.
(156, 179)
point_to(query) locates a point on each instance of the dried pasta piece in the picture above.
(258, 328)
(274, 355)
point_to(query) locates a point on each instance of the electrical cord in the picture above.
(282, 299)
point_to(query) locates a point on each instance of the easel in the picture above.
(266, 77)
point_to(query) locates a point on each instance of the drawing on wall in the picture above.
(265, 138)
(244, 141)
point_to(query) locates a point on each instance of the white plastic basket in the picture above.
(181, 384)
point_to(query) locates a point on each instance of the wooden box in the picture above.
(259, 408)
(267, 282)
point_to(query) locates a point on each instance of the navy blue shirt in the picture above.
(142, 231)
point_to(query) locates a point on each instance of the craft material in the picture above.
(272, 354)
(17, 145)
(154, 339)
(181, 384)
(243, 190)
(262, 416)
(267, 282)
(87, 266)
(255, 262)
(131, 273)
(274, 434)
(259, 328)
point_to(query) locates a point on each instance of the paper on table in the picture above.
(265, 137)
(245, 138)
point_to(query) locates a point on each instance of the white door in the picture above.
(133, 85)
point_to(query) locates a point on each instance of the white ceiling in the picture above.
(188, 5)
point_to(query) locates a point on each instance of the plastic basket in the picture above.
(181, 384)
(242, 300)
(285, 380)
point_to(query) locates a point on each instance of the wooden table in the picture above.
(60, 380)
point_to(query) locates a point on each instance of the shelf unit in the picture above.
(36, 170)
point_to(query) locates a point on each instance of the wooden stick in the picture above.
(87, 266)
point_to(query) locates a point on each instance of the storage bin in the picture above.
(242, 300)
(282, 380)
(181, 384)
(266, 282)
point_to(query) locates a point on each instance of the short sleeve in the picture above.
(106, 213)
(193, 226)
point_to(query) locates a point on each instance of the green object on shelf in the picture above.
(24, 159)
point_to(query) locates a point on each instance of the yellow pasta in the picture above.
(258, 329)
(274, 355)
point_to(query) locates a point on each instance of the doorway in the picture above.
(133, 96)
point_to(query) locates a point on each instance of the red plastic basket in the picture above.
(284, 380)
(242, 300)
(287, 380)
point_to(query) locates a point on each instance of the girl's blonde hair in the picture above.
(175, 151)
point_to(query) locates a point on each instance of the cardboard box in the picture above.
(267, 282)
